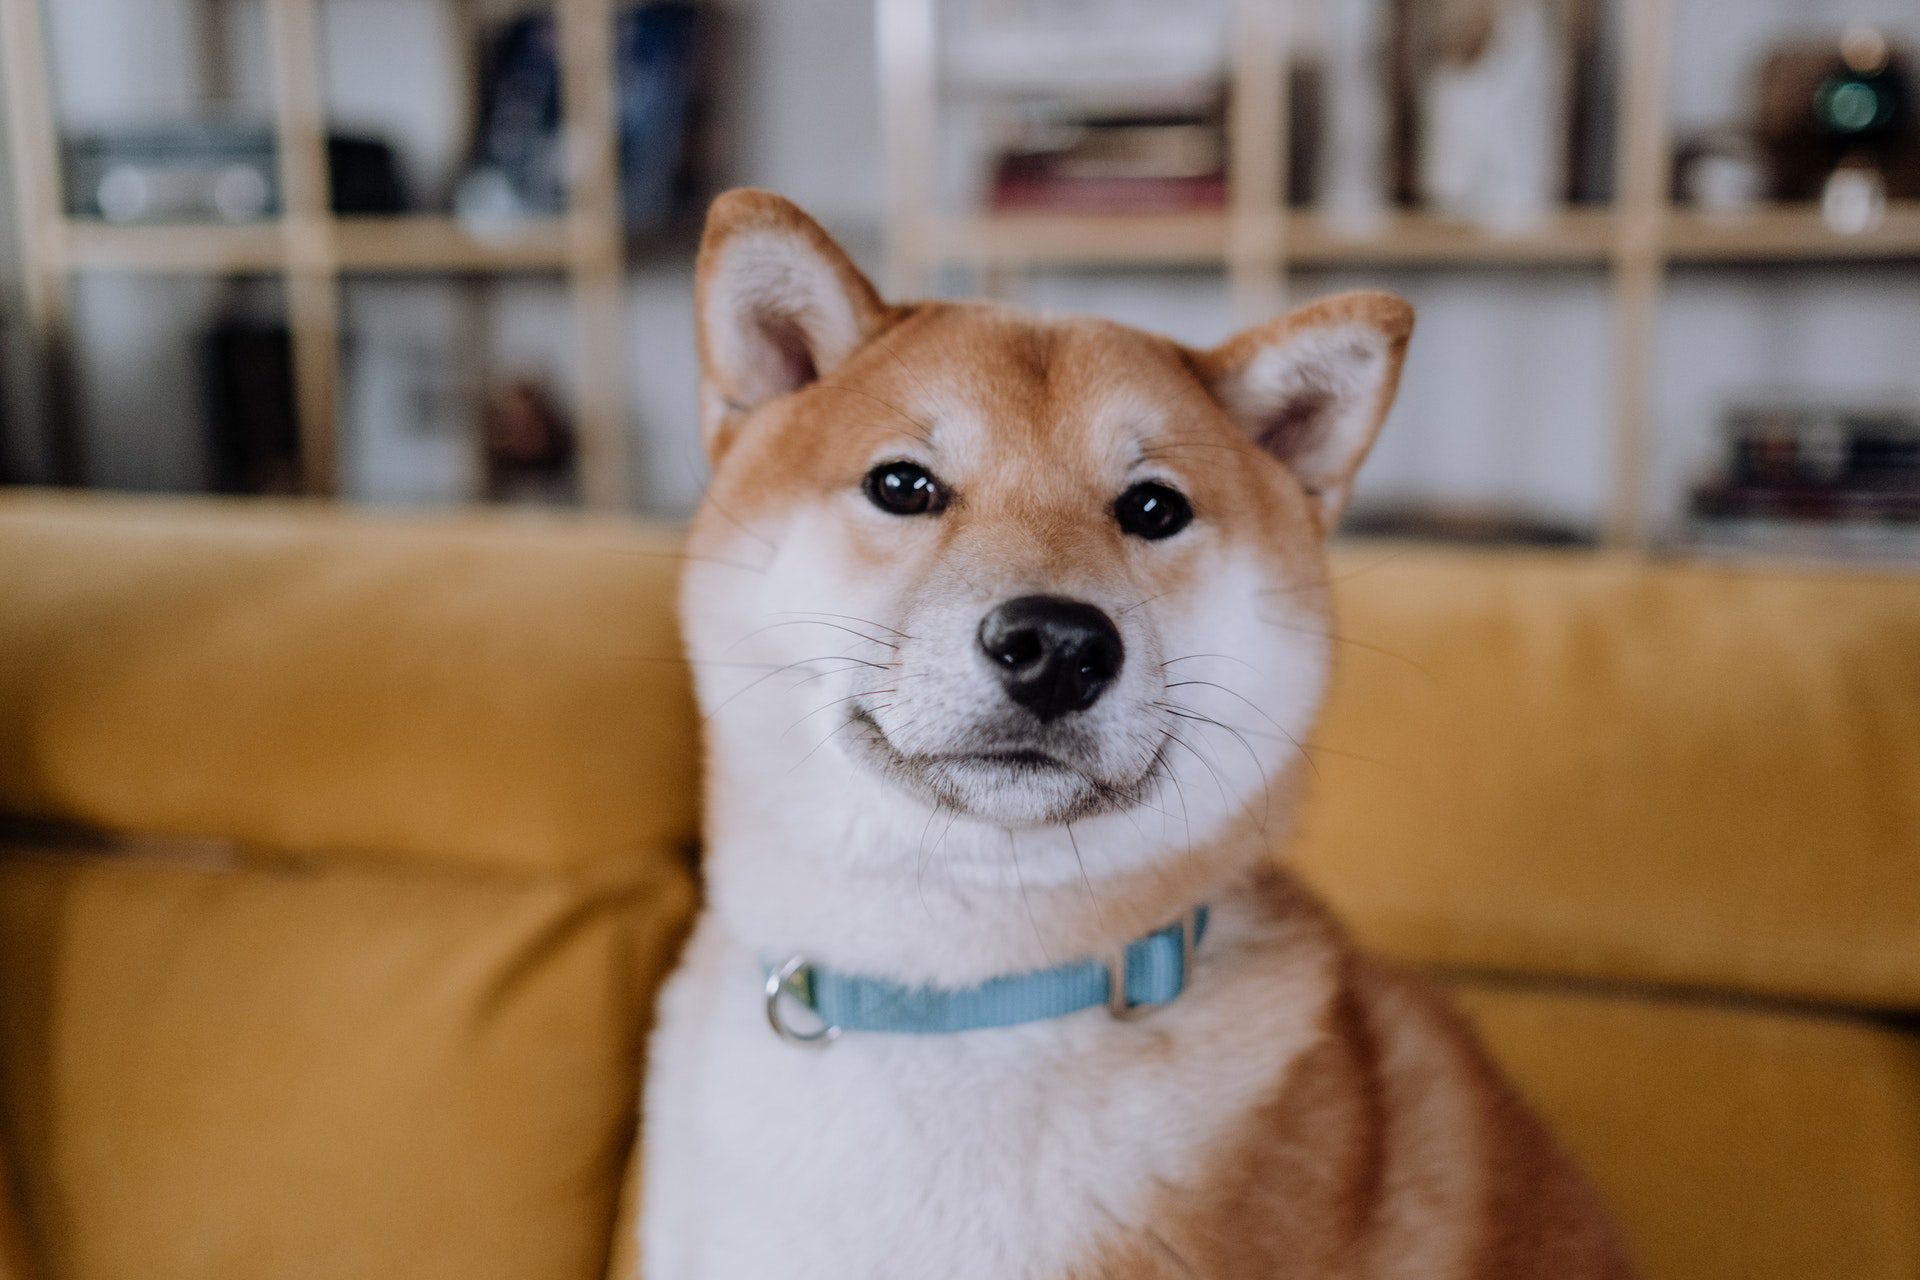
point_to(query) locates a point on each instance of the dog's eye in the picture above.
(1153, 511)
(904, 489)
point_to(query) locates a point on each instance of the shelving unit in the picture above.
(312, 250)
(1258, 239)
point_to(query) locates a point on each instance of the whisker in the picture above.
(1099, 916)
(684, 556)
(1337, 638)
(1382, 562)
(1259, 770)
(1225, 657)
(1225, 802)
(1142, 603)
(828, 705)
(844, 725)
(755, 684)
(811, 622)
(856, 662)
(1187, 714)
(1251, 705)
(1032, 923)
(844, 617)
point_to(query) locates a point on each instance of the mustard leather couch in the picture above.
(343, 855)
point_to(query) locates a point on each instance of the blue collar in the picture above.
(1150, 972)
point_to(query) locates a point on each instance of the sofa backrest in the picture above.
(394, 821)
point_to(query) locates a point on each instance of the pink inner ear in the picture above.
(1290, 430)
(787, 345)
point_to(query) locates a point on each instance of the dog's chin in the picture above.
(1024, 787)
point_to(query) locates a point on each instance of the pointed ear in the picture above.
(778, 306)
(1313, 387)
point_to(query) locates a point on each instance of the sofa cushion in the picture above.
(1732, 1144)
(1597, 765)
(331, 1072)
(499, 692)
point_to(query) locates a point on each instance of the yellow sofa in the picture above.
(343, 855)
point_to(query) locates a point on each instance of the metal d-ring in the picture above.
(779, 983)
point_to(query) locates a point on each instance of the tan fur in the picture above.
(1388, 1146)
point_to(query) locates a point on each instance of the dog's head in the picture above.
(1027, 571)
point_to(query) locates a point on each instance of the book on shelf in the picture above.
(1822, 481)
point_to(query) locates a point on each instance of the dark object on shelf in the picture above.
(1817, 463)
(518, 165)
(213, 172)
(253, 434)
(1120, 164)
(1492, 527)
(11, 471)
(1822, 105)
(528, 445)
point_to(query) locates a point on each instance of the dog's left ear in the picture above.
(779, 306)
(1313, 387)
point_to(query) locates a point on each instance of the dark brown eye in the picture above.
(904, 489)
(1152, 511)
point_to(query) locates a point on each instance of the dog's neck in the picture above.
(840, 866)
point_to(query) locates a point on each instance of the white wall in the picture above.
(1505, 397)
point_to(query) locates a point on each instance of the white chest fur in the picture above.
(1001, 1153)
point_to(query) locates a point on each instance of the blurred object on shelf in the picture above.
(253, 436)
(1840, 124)
(1478, 526)
(410, 383)
(1815, 478)
(1878, 543)
(1854, 199)
(528, 445)
(1110, 107)
(1355, 180)
(1101, 57)
(519, 159)
(1127, 164)
(12, 469)
(214, 171)
(1721, 171)
(1495, 109)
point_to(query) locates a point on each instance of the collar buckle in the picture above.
(1123, 1010)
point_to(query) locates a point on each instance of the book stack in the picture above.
(1124, 115)
(1124, 164)
(1815, 478)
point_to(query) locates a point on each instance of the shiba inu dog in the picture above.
(1008, 631)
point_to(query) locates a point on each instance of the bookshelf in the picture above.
(1257, 239)
(311, 250)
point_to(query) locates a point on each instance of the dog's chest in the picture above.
(1004, 1153)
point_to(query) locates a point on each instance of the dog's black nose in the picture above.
(1055, 655)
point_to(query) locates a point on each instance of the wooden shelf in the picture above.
(1793, 233)
(1577, 237)
(191, 249)
(1077, 239)
(423, 242)
(400, 243)
(1574, 237)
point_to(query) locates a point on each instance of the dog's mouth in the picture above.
(1021, 783)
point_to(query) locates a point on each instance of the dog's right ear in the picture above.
(778, 305)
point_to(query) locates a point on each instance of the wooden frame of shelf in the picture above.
(312, 249)
(1258, 240)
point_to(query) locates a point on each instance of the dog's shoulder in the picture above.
(1386, 1145)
